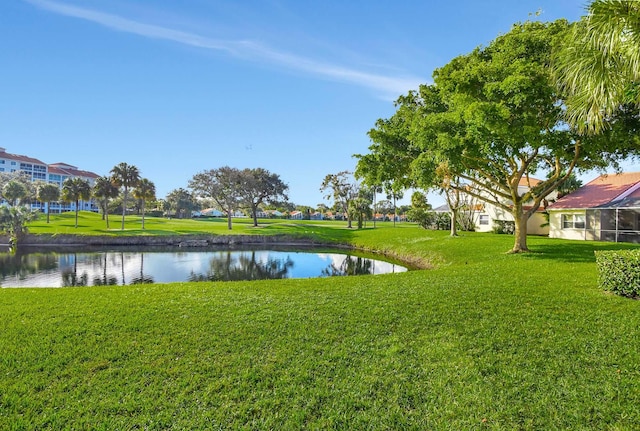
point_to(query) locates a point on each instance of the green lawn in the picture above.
(485, 340)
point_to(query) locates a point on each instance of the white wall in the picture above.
(555, 225)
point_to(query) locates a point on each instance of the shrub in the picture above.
(443, 221)
(619, 271)
(504, 226)
(422, 217)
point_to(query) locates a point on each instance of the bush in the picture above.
(504, 226)
(619, 271)
(443, 221)
(154, 213)
(422, 217)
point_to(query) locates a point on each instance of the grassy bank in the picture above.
(486, 340)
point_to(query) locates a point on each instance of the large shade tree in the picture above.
(598, 65)
(126, 177)
(104, 189)
(493, 118)
(74, 190)
(261, 186)
(224, 185)
(48, 193)
(343, 189)
(181, 202)
(144, 191)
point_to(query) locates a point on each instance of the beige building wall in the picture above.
(555, 225)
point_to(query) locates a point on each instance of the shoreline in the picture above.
(197, 240)
(202, 241)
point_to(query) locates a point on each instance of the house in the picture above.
(296, 215)
(486, 215)
(316, 216)
(211, 212)
(269, 214)
(605, 209)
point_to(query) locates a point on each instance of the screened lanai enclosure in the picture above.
(617, 222)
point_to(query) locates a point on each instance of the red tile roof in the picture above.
(72, 171)
(19, 158)
(532, 181)
(601, 191)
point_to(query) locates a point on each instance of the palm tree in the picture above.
(13, 221)
(48, 193)
(14, 191)
(104, 189)
(125, 176)
(145, 190)
(75, 189)
(598, 66)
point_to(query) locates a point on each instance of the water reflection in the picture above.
(231, 266)
(351, 265)
(123, 267)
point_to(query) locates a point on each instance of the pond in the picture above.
(86, 267)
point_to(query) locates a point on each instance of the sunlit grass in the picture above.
(486, 340)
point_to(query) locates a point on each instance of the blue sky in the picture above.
(175, 88)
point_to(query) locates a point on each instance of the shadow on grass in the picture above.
(573, 252)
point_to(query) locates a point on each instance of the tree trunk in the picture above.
(124, 207)
(229, 219)
(454, 218)
(76, 214)
(48, 205)
(143, 215)
(254, 211)
(520, 233)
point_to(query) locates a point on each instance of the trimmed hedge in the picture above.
(619, 271)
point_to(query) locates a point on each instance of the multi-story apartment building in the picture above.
(55, 174)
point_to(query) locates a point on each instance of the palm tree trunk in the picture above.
(143, 214)
(124, 207)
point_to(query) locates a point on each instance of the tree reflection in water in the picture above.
(142, 278)
(351, 265)
(114, 267)
(21, 264)
(245, 267)
(105, 279)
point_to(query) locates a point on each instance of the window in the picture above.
(13, 163)
(484, 219)
(573, 221)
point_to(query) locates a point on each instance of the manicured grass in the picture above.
(92, 224)
(486, 340)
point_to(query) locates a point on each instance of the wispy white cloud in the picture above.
(388, 86)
